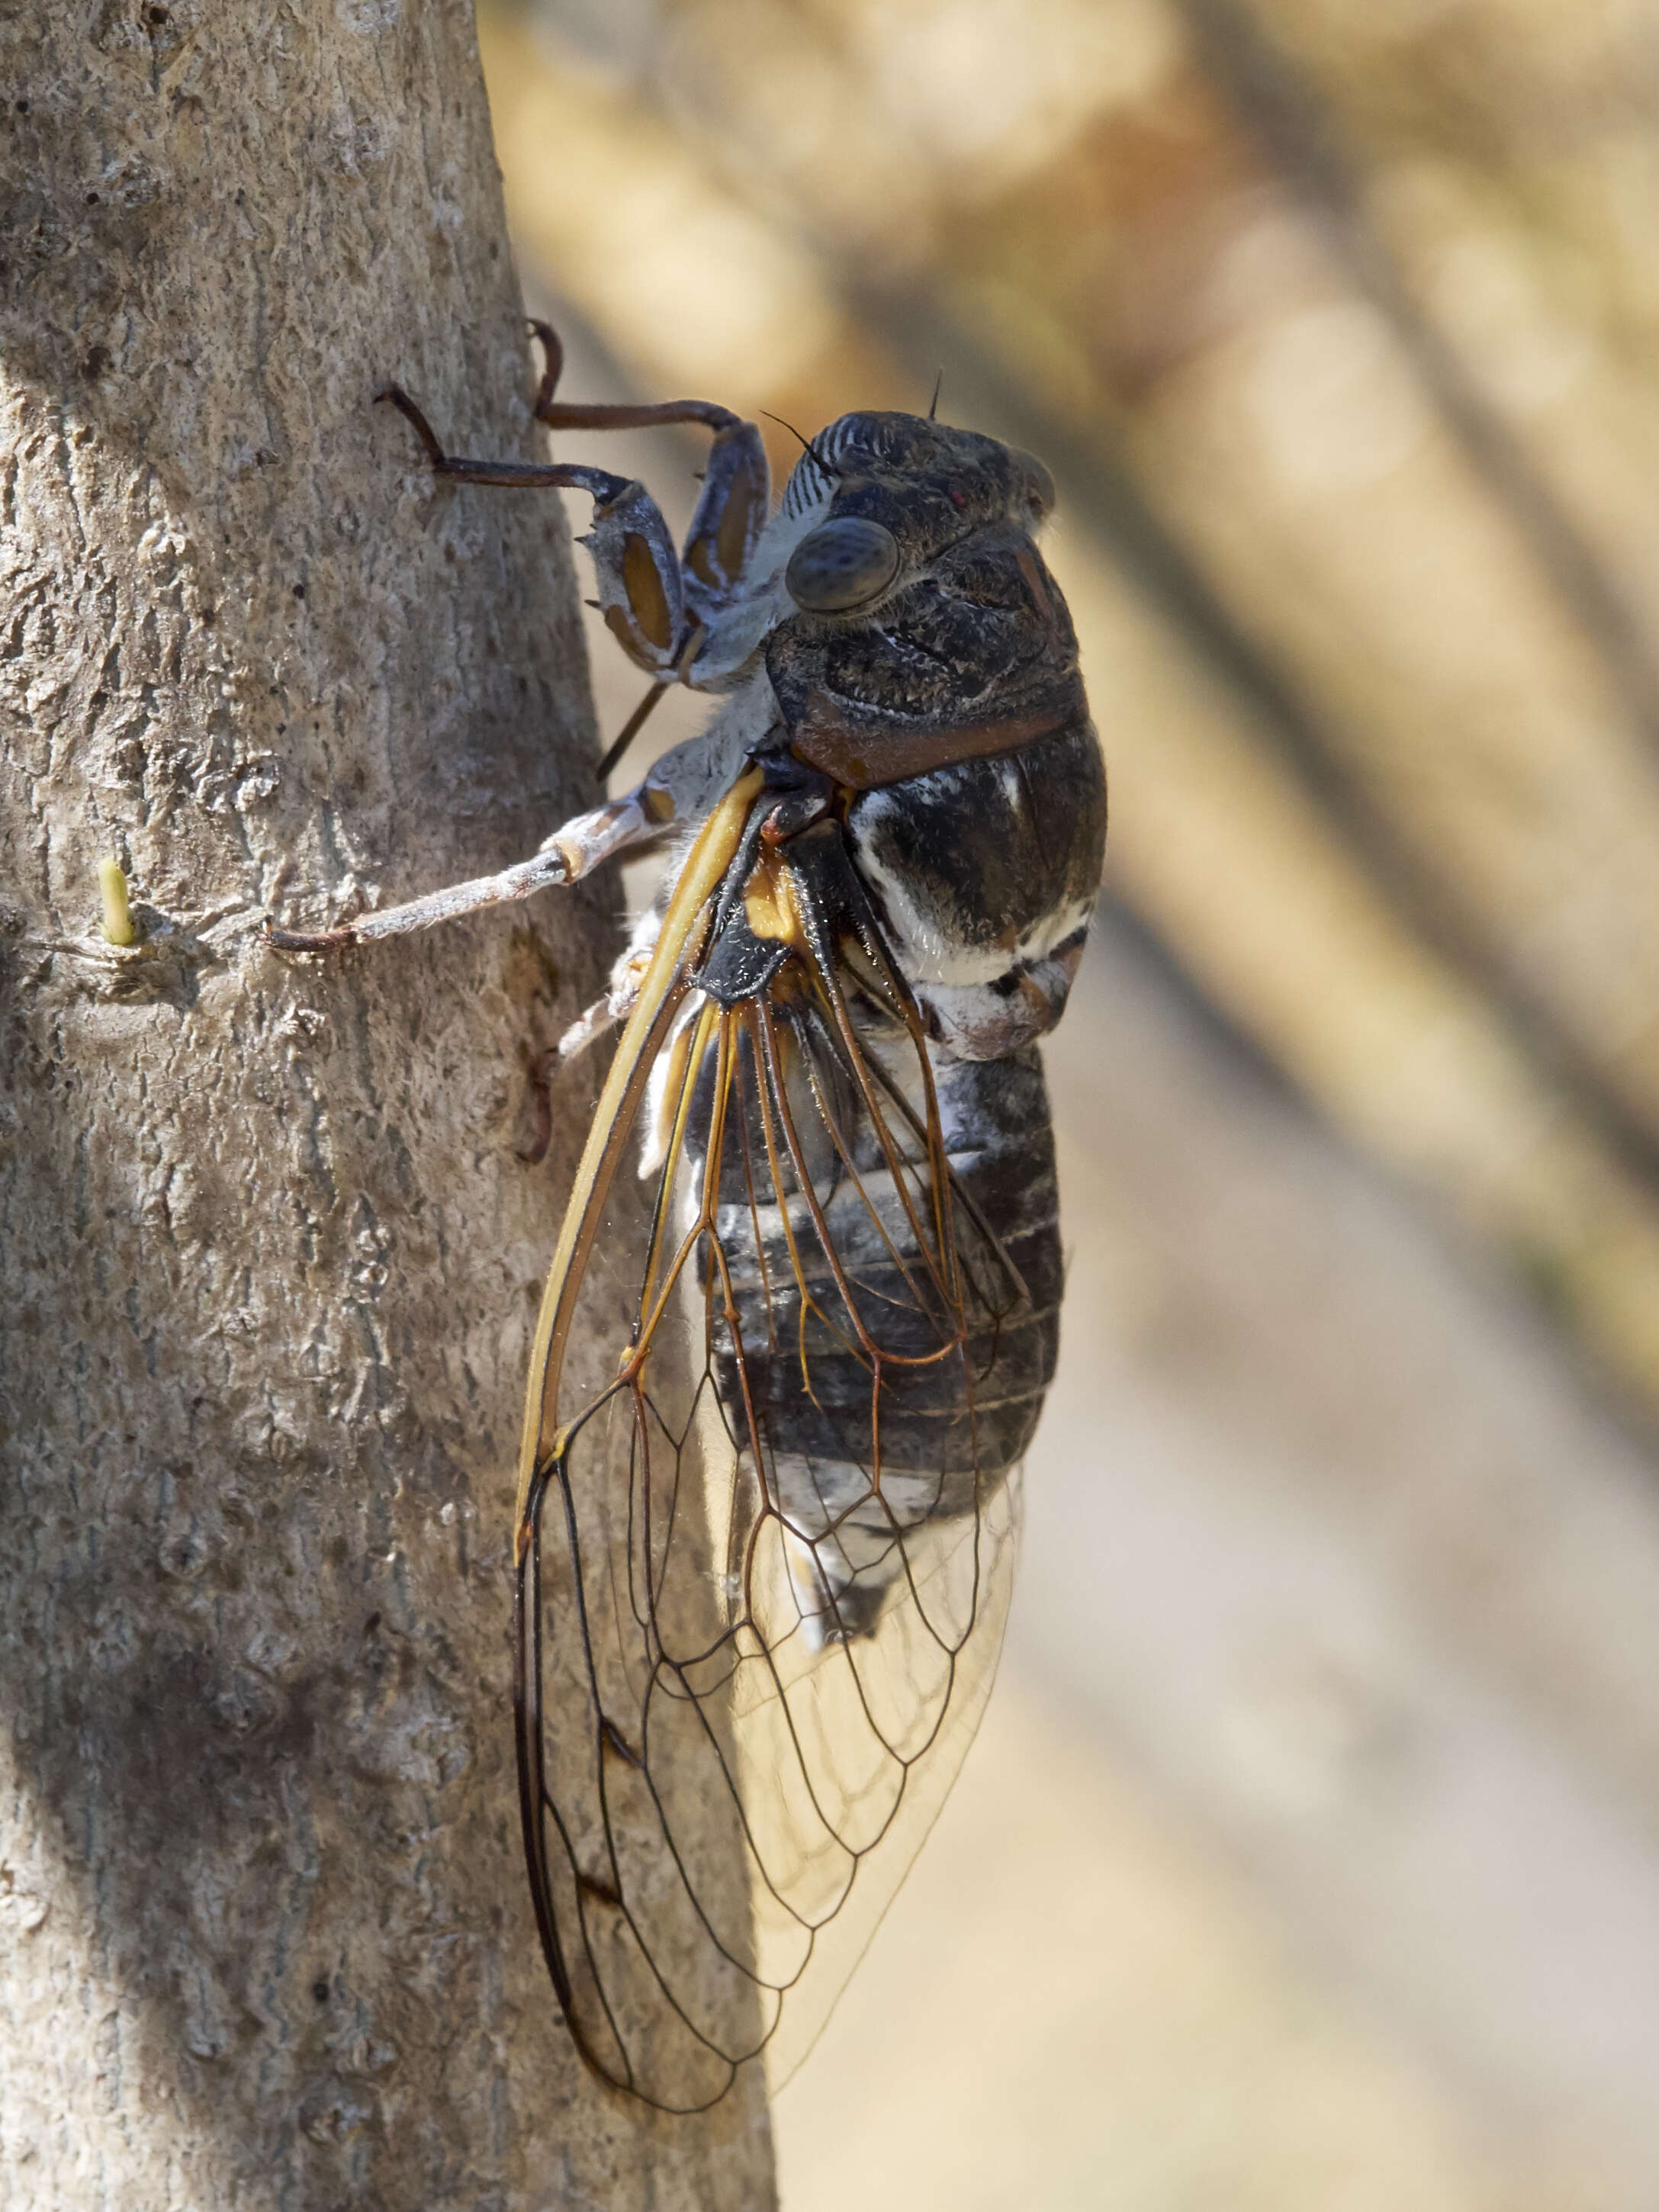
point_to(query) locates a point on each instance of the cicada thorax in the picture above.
(951, 713)
(963, 646)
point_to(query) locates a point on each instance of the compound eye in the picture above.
(843, 564)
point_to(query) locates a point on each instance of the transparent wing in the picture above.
(770, 1505)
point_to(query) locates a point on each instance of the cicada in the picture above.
(785, 1373)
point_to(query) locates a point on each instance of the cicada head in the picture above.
(902, 490)
(922, 627)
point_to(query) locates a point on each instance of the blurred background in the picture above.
(1308, 1861)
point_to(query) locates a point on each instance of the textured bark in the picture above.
(271, 1258)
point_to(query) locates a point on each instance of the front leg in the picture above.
(736, 492)
(659, 606)
(634, 556)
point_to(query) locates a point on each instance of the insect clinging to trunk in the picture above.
(767, 1520)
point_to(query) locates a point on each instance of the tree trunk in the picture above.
(271, 1262)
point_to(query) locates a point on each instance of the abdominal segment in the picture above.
(888, 1344)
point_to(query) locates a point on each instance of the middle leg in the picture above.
(571, 852)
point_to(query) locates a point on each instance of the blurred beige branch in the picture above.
(1303, 136)
(1485, 1015)
(1312, 1857)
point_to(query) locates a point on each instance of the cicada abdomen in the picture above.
(891, 1396)
(846, 1322)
